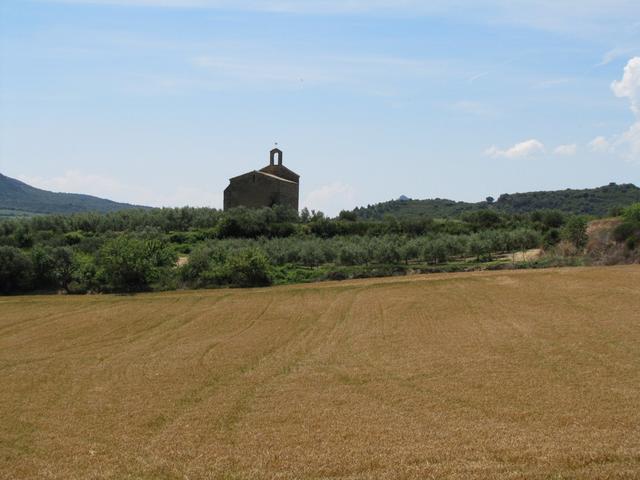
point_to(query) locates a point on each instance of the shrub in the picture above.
(73, 238)
(631, 243)
(575, 231)
(623, 231)
(551, 238)
(632, 214)
(249, 268)
(129, 264)
(628, 232)
(203, 258)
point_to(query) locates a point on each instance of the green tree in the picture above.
(311, 255)
(575, 231)
(552, 219)
(64, 266)
(16, 270)
(348, 216)
(305, 215)
(43, 264)
(351, 254)
(632, 214)
(480, 248)
(131, 264)
(436, 251)
(483, 219)
(204, 265)
(409, 251)
(85, 275)
(386, 251)
(629, 230)
(551, 238)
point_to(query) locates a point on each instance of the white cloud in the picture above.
(631, 142)
(626, 144)
(331, 198)
(629, 85)
(567, 150)
(519, 150)
(599, 144)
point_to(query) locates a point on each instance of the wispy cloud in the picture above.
(566, 150)
(524, 149)
(599, 144)
(477, 76)
(541, 14)
(614, 54)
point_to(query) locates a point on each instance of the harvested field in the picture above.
(518, 374)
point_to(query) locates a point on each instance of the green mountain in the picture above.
(19, 199)
(589, 201)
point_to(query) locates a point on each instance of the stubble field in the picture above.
(524, 374)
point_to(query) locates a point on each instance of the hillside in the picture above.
(589, 201)
(19, 199)
(500, 375)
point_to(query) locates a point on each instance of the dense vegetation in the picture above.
(136, 250)
(19, 199)
(591, 201)
(629, 230)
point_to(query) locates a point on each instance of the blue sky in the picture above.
(159, 102)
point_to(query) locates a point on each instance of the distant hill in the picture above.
(590, 201)
(19, 199)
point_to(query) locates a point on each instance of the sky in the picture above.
(160, 102)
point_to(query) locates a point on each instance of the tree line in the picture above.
(138, 250)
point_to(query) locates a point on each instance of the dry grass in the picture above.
(523, 374)
(526, 256)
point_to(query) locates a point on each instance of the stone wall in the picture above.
(255, 190)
